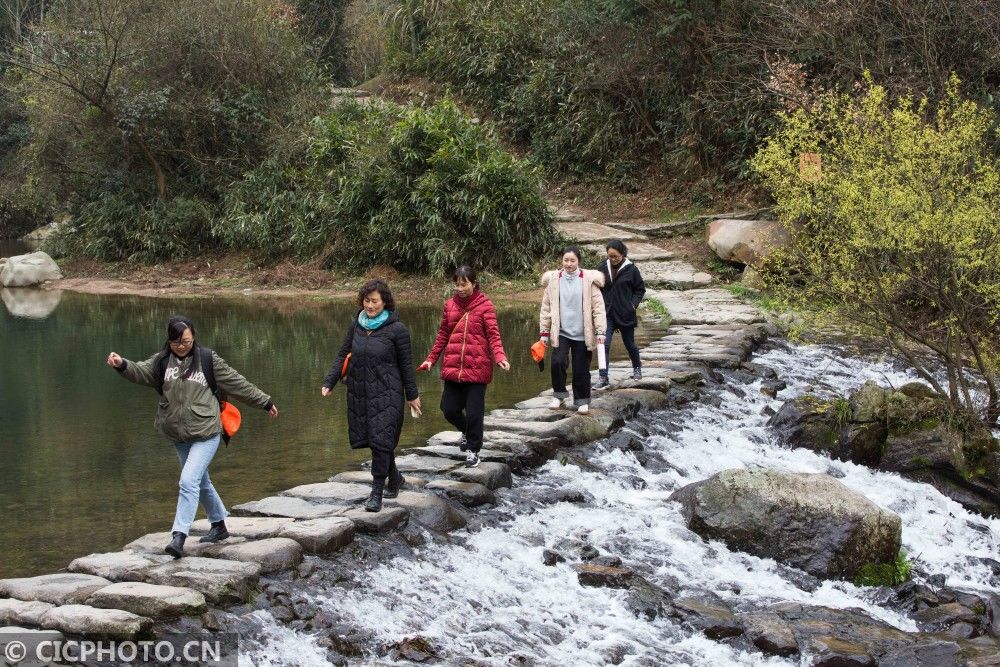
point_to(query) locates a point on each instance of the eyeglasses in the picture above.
(181, 343)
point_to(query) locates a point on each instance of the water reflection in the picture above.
(31, 303)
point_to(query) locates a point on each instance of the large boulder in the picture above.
(812, 522)
(746, 241)
(29, 270)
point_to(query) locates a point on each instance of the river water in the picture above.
(486, 598)
(83, 470)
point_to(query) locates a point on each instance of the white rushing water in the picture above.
(490, 599)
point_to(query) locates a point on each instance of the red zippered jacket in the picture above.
(470, 339)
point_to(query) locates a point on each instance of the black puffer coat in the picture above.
(379, 376)
(622, 295)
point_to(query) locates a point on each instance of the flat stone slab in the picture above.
(433, 465)
(429, 510)
(706, 306)
(536, 402)
(470, 494)
(60, 588)
(365, 477)
(450, 438)
(153, 543)
(389, 518)
(272, 554)
(675, 274)
(449, 452)
(641, 225)
(491, 475)
(249, 527)
(573, 429)
(78, 619)
(335, 493)
(321, 536)
(152, 600)
(594, 232)
(119, 565)
(20, 612)
(220, 581)
(541, 414)
(287, 506)
(637, 251)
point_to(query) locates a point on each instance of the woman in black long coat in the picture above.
(380, 378)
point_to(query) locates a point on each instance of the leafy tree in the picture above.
(898, 231)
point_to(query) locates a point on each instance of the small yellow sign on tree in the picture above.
(810, 167)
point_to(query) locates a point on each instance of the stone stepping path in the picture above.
(124, 594)
(637, 251)
(594, 232)
(675, 275)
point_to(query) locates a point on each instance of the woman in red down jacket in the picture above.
(470, 339)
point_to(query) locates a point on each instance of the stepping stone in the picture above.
(61, 588)
(365, 477)
(566, 214)
(706, 306)
(449, 452)
(152, 600)
(153, 544)
(78, 619)
(470, 494)
(272, 554)
(429, 510)
(433, 465)
(119, 565)
(594, 232)
(491, 475)
(526, 414)
(321, 536)
(573, 430)
(536, 402)
(20, 612)
(389, 518)
(449, 438)
(249, 527)
(220, 581)
(336, 493)
(618, 403)
(637, 251)
(641, 225)
(648, 399)
(675, 274)
(286, 506)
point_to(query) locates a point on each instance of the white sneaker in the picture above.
(555, 404)
(583, 409)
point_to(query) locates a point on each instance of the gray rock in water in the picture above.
(812, 522)
(28, 270)
(491, 475)
(429, 510)
(770, 633)
(272, 554)
(118, 565)
(286, 506)
(321, 536)
(708, 613)
(20, 612)
(249, 527)
(61, 588)
(335, 493)
(220, 581)
(931, 653)
(78, 619)
(590, 574)
(470, 494)
(389, 518)
(646, 599)
(152, 600)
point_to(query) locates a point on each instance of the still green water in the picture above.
(83, 470)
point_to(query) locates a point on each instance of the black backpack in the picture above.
(207, 367)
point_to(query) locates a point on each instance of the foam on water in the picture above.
(490, 597)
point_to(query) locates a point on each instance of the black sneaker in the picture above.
(374, 503)
(176, 546)
(602, 382)
(463, 443)
(636, 373)
(392, 486)
(217, 533)
(471, 460)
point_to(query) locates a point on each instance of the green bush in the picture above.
(421, 190)
(117, 227)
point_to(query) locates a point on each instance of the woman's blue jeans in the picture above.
(195, 485)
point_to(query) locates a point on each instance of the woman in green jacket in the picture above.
(188, 415)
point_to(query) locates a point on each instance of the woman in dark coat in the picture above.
(379, 380)
(623, 292)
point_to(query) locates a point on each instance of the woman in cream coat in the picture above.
(573, 321)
